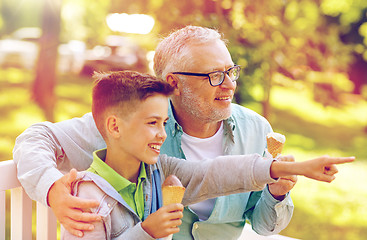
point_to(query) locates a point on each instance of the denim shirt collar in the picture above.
(175, 126)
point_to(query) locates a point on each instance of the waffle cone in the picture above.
(172, 194)
(274, 146)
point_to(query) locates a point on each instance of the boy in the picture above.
(130, 111)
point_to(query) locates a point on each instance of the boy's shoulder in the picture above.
(91, 186)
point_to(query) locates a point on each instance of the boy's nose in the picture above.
(162, 134)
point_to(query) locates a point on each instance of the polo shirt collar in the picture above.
(117, 181)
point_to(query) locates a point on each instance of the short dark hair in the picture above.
(122, 90)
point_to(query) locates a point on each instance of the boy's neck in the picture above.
(127, 168)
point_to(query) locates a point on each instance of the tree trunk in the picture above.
(266, 101)
(45, 81)
(266, 109)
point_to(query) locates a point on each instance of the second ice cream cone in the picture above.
(275, 142)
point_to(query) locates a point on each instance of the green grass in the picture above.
(325, 211)
(322, 211)
(312, 127)
(334, 210)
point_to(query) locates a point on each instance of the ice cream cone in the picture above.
(275, 143)
(172, 194)
(172, 190)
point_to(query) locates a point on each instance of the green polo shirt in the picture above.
(133, 195)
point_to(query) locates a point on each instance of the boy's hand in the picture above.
(164, 221)
(67, 208)
(284, 184)
(323, 168)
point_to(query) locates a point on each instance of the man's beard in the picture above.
(192, 104)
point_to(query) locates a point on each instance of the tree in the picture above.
(45, 81)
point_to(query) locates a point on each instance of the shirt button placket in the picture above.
(196, 226)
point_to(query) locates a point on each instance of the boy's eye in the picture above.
(165, 123)
(152, 122)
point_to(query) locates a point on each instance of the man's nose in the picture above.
(228, 83)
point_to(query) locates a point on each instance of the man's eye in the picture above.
(216, 75)
(152, 122)
(165, 123)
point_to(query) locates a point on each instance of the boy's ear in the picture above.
(173, 80)
(112, 126)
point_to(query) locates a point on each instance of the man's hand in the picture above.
(164, 221)
(67, 208)
(279, 189)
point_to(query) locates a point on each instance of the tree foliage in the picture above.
(320, 43)
(299, 40)
(14, 15)
(85, 20)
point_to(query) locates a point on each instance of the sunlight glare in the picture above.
(130, 23)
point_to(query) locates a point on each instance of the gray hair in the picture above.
(172, 52)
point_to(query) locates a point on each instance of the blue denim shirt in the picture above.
(244, 133)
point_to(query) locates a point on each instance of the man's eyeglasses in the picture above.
(216, 78)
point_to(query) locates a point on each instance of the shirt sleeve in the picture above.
(136, 233)
(35, 153)
(46, 151)
(267, 215)
(221, 176)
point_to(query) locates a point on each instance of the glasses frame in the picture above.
(208, 74)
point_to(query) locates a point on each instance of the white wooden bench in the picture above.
(21, 209)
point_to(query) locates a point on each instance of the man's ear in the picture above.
(173, 80)
(112, 126)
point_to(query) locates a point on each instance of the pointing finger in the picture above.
(340, 160)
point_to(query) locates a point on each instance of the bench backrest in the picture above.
(21, 209)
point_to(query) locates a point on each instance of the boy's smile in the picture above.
(156, 147)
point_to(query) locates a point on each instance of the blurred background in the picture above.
(304, 69)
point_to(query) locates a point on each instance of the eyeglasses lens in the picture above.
(217, 78)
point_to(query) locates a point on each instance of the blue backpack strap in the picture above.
(157, 200)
